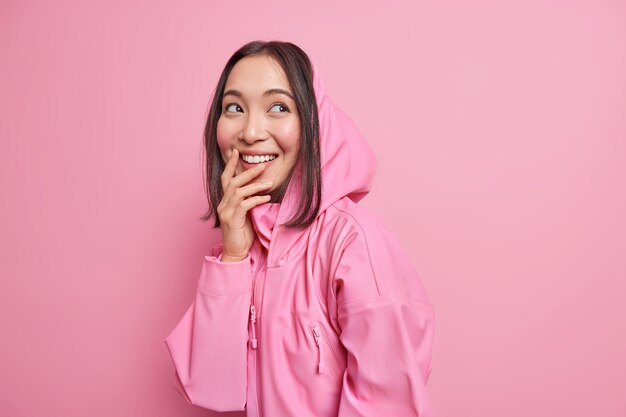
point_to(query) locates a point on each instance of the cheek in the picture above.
(224, 137)
(289, 137)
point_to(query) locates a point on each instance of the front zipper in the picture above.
(253, 312)
(257, 275)
(253, 340)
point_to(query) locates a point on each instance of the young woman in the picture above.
(309, 306)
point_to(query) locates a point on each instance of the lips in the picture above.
(249, 155)
(255, 152)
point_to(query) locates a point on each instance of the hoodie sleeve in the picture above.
(387, 328)
(208, 346)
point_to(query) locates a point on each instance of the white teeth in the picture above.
(257, 158)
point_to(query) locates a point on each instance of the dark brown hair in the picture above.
(299, 71)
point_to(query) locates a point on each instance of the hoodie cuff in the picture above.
(225, 278)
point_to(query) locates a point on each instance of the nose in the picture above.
(254, 128)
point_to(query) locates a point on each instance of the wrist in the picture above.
(228, 258)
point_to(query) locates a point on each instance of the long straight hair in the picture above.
(299, 71)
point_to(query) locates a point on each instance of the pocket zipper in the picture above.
(319, 342)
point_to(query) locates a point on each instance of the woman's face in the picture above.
(259, 117)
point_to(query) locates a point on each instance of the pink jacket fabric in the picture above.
(331, 320)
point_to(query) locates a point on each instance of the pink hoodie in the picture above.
(331, 320)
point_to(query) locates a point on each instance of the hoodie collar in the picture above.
(263, 219)
(348, 166)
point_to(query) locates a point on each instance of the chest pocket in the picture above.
(326, 357)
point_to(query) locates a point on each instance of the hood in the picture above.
(348, 170)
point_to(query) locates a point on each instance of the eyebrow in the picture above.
(265, 94)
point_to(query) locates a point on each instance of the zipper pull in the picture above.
(317, 334)
(253, 340)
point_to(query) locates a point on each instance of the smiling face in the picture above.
(260, 119)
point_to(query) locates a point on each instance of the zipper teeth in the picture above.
(253, 339)
(253, 310)
(255, 285)
(330, 351)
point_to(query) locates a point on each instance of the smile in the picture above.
(249, 161)
(256, 159)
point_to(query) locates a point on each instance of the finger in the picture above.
(241, 179)
(237, 206)
(252, 188)
(248, 203)
(235, 196)
(247, 176)
(229, 169)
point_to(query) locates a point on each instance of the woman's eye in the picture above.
(280, 105)
(231, 106)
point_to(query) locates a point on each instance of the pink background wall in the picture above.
(501, 134)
